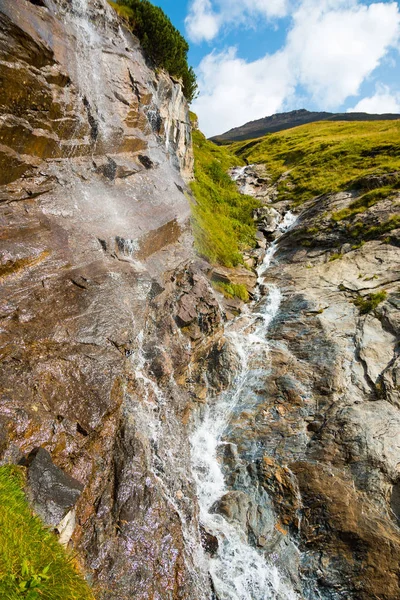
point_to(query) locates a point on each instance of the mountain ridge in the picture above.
(288, 120)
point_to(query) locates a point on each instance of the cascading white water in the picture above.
(238, 571)
(89, 66)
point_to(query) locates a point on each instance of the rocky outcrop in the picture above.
(96, 269)
(321, 435)
(113, 346)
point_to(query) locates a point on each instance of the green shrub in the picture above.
(33, 565)
(161, 41)
(368, 303)
(222, 217)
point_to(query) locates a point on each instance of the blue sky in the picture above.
(257, 57)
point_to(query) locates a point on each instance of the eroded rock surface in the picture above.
(95, 262)
(112, 341)
(322, 434)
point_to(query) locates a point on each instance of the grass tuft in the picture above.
(232, 290)
(33, 565)
(368, 303)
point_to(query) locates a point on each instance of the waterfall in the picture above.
(238, 571)
(90, 77)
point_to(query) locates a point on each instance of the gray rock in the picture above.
(52, 492)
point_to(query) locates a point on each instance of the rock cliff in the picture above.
(203, 455)
(95, 276)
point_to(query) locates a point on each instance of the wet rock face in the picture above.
(95, 258)
(320, 434)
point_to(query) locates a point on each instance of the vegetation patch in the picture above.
(33, 565)
(364, 202)
(222, 217)
(232, 290)
(368, 303)
(326, 157)
(161, 41)
(363, 232)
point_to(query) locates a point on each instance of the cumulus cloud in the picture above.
(233, 91)
(383, 101)
(202, 23)
(335, 47)
(206, 17)
(331, 47)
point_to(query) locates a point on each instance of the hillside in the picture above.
(222, 217)
(318, 158)
(282, 121)
(323, 421)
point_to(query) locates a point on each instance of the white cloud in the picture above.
(206, 17)
(331, 48)
(202, 23)
(234, 91)
(336, 47)
(383, 101)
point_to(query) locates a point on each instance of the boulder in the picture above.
(52, 492)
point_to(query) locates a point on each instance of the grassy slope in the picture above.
(222, 217)
(33, 565)
(324, 157)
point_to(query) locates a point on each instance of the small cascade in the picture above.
(156, 420)
(89, 68)
(238, 571)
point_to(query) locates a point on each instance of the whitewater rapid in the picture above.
(238, 571)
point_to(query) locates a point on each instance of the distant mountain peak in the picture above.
(287, 120)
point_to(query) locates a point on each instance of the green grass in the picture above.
(325, 157)
(232, 290)
(364, 232)
(364, 202)
(33, 565)
(222, 217)
(124, 11)
(368, 303)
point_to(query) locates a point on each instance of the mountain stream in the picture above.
(238, 571)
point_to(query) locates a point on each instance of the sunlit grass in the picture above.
(33, 565)
(222, 217)
(324, 157)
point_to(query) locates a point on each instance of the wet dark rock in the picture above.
(395, 501)
(86, 260)
(209, 541)
(3, 437)
(52, 492)
(146, 161)
(197, 311)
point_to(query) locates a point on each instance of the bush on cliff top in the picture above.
(222, 217)
(33, 565)
(325, 157)
(161, 41)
